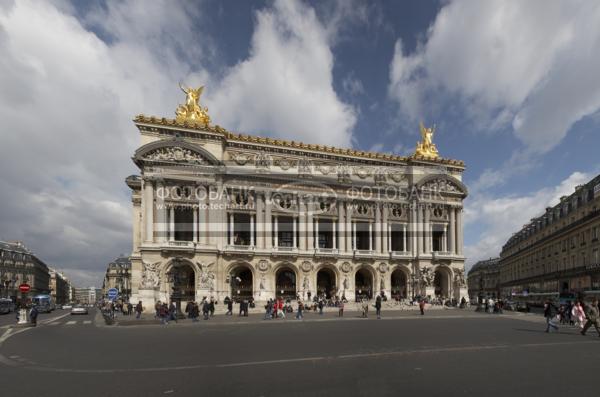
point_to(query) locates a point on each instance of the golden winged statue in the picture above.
(191, 110)
(426, 147)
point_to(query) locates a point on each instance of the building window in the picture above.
(398, 238)
(184, 224)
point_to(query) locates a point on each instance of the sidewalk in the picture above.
(328, 315)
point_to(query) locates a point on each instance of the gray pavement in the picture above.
(444, 353)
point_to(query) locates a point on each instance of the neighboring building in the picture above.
(87, 296)
(484, 279)
(118, 275)
(224, 214)
(19, 266)
(558, 252)
(60, 287)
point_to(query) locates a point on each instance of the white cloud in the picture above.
(533, 64)
(285, 87)
(500, 217)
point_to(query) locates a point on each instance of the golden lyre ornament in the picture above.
(426, 147)
(191, 110)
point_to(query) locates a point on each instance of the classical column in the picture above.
(349, 226)
(149, 210)
(418, 232)
(302, 223)
(445, 239)
(294, 242)
(389, 237)
(404, 247)
(172, 223)
(276, 230)
(309, 226)
(195, 226)
(341, 227)
(387, 246)
(334, 233)
(377, 233)
(268, 222)
(260, 226)
(231, 226)
(451, 230)
(370, 236)
(459, 231)
(353, 235)
(426, 231)
(220, 215)
(161, 213)
(203, 216)
(316, 233)
(252, 230)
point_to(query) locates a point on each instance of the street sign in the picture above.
(112, 293)
(24, 288)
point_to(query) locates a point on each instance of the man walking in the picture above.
(341, 308)
(592, 317)
(549, 313)
(422, 306)
(138, 310)
(378, 307)
(299, 312)
(229, 303)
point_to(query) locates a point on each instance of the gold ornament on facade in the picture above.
(426, 147)
(191, 110)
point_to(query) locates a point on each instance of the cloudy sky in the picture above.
(513, 88)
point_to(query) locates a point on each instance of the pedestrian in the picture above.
(268, 310)
(188, 309)
(274, 313)
(321, 304)
(378, 307)
(173, 312)
(365, 307)
(280, 310)
(308, 294)
(341, 308)
(578, 314)
(157, 307)
(592, 317)
(229, 303)
(299, 312)
(205, 308)
(163, 313)
(34, 313)
(241, 308)
(129, 308)
(549, 312)
(194, 311)
(422, 306)
(212, 306)
(138, 310)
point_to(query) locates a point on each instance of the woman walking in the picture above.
(578, 314)
(299, 312)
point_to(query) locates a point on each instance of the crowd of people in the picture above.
(580, 314)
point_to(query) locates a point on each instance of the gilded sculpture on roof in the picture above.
(191, 110)
(426, 147)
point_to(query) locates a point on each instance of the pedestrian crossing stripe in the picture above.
(71, 322)
(87, 322)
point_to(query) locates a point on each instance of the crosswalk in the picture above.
(71, 322)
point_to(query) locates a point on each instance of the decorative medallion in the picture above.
(383, 267)
(325, 169)
(343, 174)
(284, 164)
(263, 265)
(362, 172)
(263, 160)
(397, 176)
(240, 158)
(306, 266)
(346, 267)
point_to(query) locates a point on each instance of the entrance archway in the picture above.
(326, 284)
(363, 284)
(181, 284)
(399, 284)
(441, 283)
(285, 283)
(241, 282)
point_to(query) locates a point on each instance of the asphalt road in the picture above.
(10, 318)
(448, 353)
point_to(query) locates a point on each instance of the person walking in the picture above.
(205, 308)
(378, 307)
(299, 312)
(268, 310)
(163, 313)
(229, 303)
(321, 304)
(422, 306)
(129, 308)
(592, 316)
(34, 313)
(211, 306)
(549, 312)
(157, 307)
(365, 307)
(173, 312)
(138, 310)
(341, 308)
(280, 310)
(578, 314)
(194, 312)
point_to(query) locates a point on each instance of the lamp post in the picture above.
(174, 279)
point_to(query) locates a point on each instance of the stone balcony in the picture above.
(441, 255)
(326, 251)
(400, 254)
(246, 249)
(363, 253)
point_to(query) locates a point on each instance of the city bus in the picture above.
(43, 303)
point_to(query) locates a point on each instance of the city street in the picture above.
(446, 352)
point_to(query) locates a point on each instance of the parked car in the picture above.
(523, 307)
(79, 309)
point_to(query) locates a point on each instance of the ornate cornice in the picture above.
(316, 148)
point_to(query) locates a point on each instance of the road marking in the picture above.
(451, 349)
(87, 322)
(53, 323)
(71, 322)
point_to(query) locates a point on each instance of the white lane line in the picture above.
(70, 322)
(87, 322)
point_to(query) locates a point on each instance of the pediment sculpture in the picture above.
(176, 154)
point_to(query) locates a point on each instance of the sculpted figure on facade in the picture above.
(191, 110)
(344, 174)
(304, 167)
(263, 160)
(150, 275)
(207, 278)
(306, 284)
(459, 278)
(426, 277)
(346, 283)
(426, 147)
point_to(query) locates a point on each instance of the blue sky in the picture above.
(511, 86)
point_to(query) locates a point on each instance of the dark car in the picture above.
(523, 307)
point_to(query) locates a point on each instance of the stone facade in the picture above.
(558, 252)
(18, 265)
(221, 214)
(60, 287)
(118, 275)
(484, 279)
